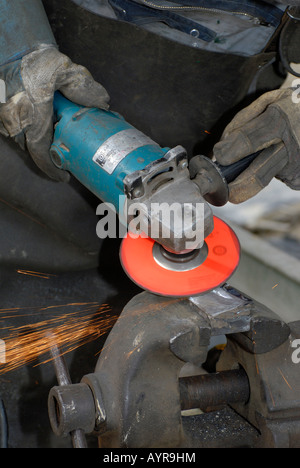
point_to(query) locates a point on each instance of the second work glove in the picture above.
(271, 124)
(31, 82)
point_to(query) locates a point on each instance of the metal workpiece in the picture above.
(226, 309)
(253, 325)
(267, 331)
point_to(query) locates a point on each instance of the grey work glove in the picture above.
(27, 116)
(272, 124)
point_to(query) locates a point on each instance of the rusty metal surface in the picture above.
(212, 390)
(144, 354)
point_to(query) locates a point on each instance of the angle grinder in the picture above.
(132, 173)
(157, 269)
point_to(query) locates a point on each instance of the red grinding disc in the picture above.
(221, 262)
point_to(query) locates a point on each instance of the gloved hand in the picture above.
(272, 124)
(27, 116)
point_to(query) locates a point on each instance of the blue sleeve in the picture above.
(23, 27)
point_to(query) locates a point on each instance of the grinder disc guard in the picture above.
(141, 263)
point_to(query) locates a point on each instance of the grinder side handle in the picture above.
(213, 178)
(231, 172)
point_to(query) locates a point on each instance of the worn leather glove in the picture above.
(27, 116)
(272, 124)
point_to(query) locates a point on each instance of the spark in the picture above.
(73, 325)
(35, 273)
(256, 365)
(284, 378)
(271, 394)
(275, 286)
(21, 212)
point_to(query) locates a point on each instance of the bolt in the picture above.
(137, 193)
(194, 33)
(183, 164)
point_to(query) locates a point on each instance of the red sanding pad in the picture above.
(220, 263)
